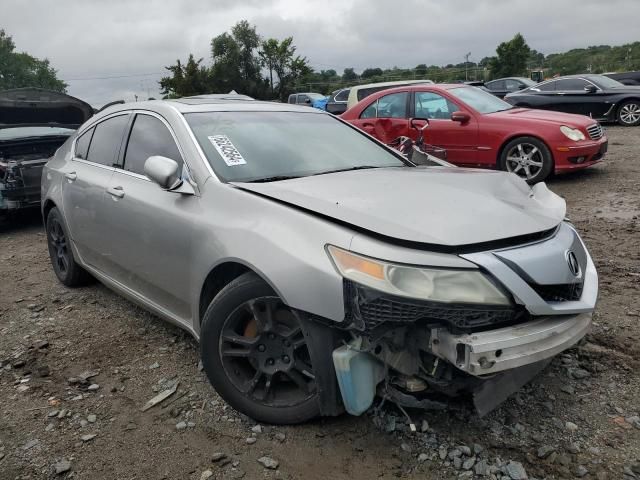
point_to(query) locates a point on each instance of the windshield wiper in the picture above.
(348, 169)
(275, 178)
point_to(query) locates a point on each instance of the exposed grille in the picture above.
(559, 293)
(371, 309)
(595, 131)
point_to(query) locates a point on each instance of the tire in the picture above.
(629, 113)
(255, 355)
(527, 157)
(64, 264)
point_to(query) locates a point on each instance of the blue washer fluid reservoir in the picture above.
(358, 375)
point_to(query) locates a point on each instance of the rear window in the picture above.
(342, 96)
(82, 144)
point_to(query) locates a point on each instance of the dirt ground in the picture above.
(577, 419)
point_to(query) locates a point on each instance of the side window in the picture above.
(371, 111)
(573, 84)
(82, 144)
(433, 106)
(393, 105)
(512, 85)
(302, 99)
(107, 139)
(547, 87)
(149, 136)
(292, 98)
(342, 96)
(497, 85)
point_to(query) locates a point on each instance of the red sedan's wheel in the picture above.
(527, 157)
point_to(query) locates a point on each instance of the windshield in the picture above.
(253, 146)
(480, 100)
(24, 132)
(605, 82)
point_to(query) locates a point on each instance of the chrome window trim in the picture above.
(85, 130)
(94, 164)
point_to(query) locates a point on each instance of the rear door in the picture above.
(460, 140)
(86, 180)
(150, 228)
(386, 118)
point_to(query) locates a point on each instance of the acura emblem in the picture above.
(572, 261)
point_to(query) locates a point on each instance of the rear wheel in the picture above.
(527, 157)
(68, 271)
(255, 354)
(629, 113)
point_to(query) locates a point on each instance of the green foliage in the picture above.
(238, 58)
(511, 59)
(19, 70)
(371, 72)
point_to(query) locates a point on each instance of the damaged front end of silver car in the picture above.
(531, 301)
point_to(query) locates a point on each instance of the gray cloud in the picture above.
(126, 38)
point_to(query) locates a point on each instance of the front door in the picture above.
(150, 245)
(460, 140)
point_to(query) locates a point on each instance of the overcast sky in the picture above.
(87, 40)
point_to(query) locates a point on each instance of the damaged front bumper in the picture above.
(493, 351)
(405, 349)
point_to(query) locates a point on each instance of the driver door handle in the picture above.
(70, 176)
(117, 192)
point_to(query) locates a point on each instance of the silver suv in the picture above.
(317, 267)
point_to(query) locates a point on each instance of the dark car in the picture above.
(33, 124)
(503, 86)
(597, 96)
(337, 103)
(626, 78)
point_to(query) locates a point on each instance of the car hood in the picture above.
(547, 116)
(431, 205)
(31, 107)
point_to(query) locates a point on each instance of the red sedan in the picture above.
(479, 130)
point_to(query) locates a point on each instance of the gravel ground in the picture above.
(77, 366)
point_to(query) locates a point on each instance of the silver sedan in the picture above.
(317, 267)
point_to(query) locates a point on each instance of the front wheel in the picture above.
(629, 113)
(527, 157)
(255, 354)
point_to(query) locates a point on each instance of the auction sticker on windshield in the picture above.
(227, 150)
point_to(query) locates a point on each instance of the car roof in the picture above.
(396, 82)
(209, 104)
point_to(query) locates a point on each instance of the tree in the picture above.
(349, 75)
(189, 79)
(421, 69)
(268, 54)
(512, 57)
(23, 70)
(371, 72)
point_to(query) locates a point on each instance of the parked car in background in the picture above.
(337, 103)
(626, 78)
(320, 103)
(317, 267)
(33, 124)
(359, 92)
(502, 86)
(478, 129)
(304, 98)
(596, 96)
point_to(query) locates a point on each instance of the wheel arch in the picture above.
(624, 100)
(47, 206)
(219, 276)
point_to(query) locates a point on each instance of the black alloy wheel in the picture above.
(255, 354)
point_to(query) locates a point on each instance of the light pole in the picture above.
(466, 66)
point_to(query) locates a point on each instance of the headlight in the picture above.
(433, 284)
(572, 133)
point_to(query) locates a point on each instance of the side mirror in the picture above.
(521, 86)
(307, 101)
(462, 117)
(590, 89)
(163, 171)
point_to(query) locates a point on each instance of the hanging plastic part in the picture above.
(358, 375)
